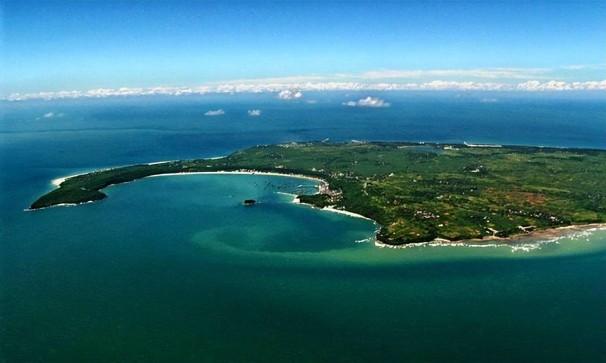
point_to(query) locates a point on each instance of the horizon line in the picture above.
(293, 90)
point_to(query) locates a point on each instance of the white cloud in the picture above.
(254, 113)
(218, 112)
(561, 86)
(367, 102)
(294, 90)
(289, 94)
(440, 85)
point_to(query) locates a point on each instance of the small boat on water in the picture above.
(249, 202)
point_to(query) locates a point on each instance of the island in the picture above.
(415, 192)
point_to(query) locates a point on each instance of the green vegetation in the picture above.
(415, 192)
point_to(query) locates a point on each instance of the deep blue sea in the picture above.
(175, 269)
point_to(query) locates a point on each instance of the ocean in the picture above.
(175, 269)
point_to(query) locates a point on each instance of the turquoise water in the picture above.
(175, 268)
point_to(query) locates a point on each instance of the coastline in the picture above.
(58, 181)
(59, 205)
(347, 213)
(332, 209)
(521, 241)
(323, 183)
(517, 242)
(323, 186)
(243, 172)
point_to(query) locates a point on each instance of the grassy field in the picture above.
(416, 192)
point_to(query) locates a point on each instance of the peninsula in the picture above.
(416, 192)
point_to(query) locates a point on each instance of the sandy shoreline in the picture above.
(242, 172)
(57, 181)
(347, 213)
(332, 209)
(295, 197)
(521, 242)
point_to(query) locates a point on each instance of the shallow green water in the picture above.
(176, 269)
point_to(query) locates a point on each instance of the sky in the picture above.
(92, 47)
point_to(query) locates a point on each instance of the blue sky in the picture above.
(69, 45)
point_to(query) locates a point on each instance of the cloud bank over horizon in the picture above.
(292, 88)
